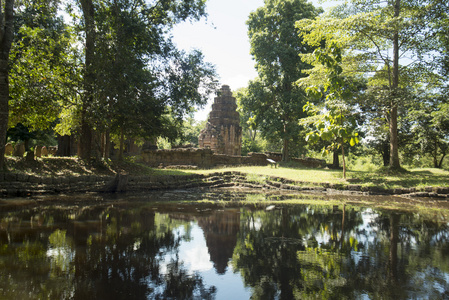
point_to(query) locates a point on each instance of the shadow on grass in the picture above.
(72, 166)
(407, 179)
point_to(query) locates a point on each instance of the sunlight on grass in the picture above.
(414, 178)
(308, 175)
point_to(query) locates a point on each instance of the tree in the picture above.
(275, 46)
(430, 128)
(43, 72)
(379, 33)
(333, 123)
(130, 40)
(335, 120)
(252, 141)
(87, 97)
(6, 38)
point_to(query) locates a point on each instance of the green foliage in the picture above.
(256, 145)
(31, 138)
(333, 124)
(132, 81)
(248, 120)
(362, 163)
(191, 131)
(137, 84)
(273, 99)
(44, 72)
(376, 36)
(429, 133)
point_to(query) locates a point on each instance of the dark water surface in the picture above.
(140, 247)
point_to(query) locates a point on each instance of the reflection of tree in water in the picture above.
(295, 252)
(266, 251)
(118, 254)
(339, 253)
(407, 257)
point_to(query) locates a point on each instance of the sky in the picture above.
(223, 40)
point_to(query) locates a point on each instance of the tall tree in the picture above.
(275, 46)
(332, 81)
(87, 98)
(126, 45)
(382, 33)
(6, 38)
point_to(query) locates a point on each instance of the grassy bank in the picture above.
(53, 166)
(414, 178)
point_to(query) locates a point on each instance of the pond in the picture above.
(156, 246)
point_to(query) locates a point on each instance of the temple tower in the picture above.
(223, 133)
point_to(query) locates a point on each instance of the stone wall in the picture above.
(188, 156)
(310, 162)
(306, 161)
(202, 158)
(206, 158)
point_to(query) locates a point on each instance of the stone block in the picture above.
(38, 151)
(19, 149)
(9, 149)
(44, 151)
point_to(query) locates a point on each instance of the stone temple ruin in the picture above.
(220, 143)
(223, 134)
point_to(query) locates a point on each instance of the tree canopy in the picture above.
(275, 45)
(393, 41)
(110, 71)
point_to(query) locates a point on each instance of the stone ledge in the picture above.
(23, 185)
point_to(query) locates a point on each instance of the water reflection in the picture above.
(149, 250)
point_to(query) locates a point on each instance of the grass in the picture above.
(418, 178)
(312, 175)
(73, 166)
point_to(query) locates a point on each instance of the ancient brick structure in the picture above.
(223, 134)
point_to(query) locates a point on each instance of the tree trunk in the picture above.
(335, 160)
(435, 154)
(122, 139)
(64, 145)
(343, 158)
(386, 153)
(107, 145)
(285, 150)
(394, 148)
(440, 164)
(285, 153)
(87, 97)
(4, 109)
(394, 240)
(6, 37)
